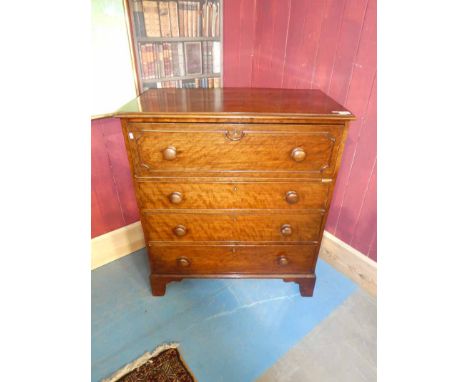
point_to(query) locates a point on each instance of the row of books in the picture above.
(178, 59)
(205, 83)
(176, 18)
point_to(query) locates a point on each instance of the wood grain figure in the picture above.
(234, 183)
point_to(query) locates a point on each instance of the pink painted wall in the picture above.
(113, 203)
(326, 44)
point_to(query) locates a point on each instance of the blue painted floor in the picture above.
(228, 330)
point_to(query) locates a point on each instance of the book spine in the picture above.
(174, 17)
(152, 58)
(210, 57)
(216, 57)
(138, 18)
(189, 18)
(141, 50)
(215, 17)
(167, 64)
(205, 57)
(161, 60)
(197, 16)
(151, 18)
(164, 19)
(175, 59)
(216, 82)
(180, 48)
(210, 16)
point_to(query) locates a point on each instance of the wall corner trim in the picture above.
(341, 256)
(349, 261)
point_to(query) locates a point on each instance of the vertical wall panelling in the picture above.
(118, 160)
(113, 203)
(325, 44)
(270, 47)
(303, 42)
(106, 213)
(329, 33)
(358, 98)
(348, 43)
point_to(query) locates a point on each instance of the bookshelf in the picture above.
(175, 43)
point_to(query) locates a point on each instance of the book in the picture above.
(209, 52)
(216, 57)
(175, 59)
(152, 59)
(204, 57)
(161, 60)
(139, 19)
(180, 49)
(216, 82)
(214, 22)
(189, 18)
(193, 58)
(151, 18)
(180, 11)
(174, 17)
(167, 62)
(164, 18)
(144, 68)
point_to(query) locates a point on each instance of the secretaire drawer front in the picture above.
(209, 226)
(238, 195)
(263, 259)
(245, 149)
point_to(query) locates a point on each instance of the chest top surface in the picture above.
(225, 102)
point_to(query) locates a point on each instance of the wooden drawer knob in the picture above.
(175, 198)
(180, 230)
(292, 197)
(170, 153)
(286, 230)
(183, 262)
(298, 154)
(283, 260)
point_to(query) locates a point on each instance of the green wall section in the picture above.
(113, 84)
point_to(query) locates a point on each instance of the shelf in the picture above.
(193, 76)
(176, 39)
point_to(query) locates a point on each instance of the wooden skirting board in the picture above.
(116, 244)
(126, 240)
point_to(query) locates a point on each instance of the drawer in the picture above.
(162, 149)
(238, 226)
(237, 195)
(263, 259)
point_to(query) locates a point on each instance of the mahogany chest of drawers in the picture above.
(233, 183)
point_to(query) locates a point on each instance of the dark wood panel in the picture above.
(194, 194)
(240, 259)
(183, 102)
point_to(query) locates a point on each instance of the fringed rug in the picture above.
(164, 364)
